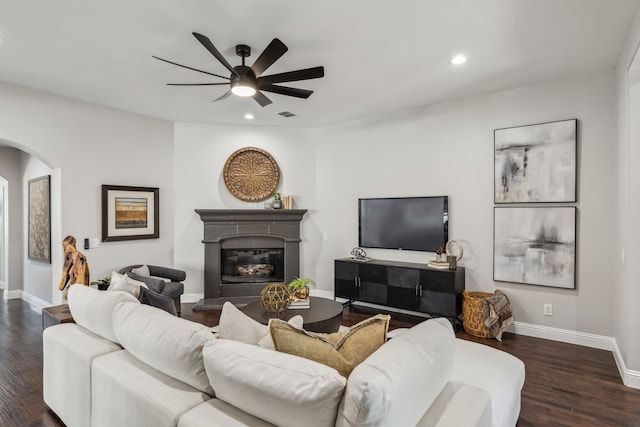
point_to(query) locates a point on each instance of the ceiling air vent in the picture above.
(286, 114)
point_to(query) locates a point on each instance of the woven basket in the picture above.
(473, 314)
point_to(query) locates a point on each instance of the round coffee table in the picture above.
(324, 315)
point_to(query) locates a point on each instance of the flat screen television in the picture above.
(406, 223)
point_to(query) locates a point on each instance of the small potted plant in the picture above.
(277, 201)
(300, 287)
(102, 284)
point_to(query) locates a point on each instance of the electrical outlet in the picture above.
(548, 310)
(325, 237)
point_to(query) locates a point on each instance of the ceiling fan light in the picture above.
(243, 90)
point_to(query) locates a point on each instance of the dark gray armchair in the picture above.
(172, 289)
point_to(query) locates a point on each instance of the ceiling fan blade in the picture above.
(197, 84)
(226, 95)
(271, 54)
(262, 99)
(289, 91)
(211, 48)
(189, 68)
(292, 76)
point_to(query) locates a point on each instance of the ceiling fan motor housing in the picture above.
(245, 77)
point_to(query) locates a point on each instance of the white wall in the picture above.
(37, 274)
(440, 150)
(627, 290)
(88, 146)
(11, 170)
(448, 150)
(200, 154)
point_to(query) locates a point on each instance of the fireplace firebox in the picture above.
(245, 250)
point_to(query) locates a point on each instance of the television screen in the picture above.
(407, 223)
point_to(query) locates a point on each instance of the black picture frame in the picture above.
(535, 245)
(130, 213)
(536, 163)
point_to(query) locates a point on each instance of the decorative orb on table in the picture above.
(275, 298)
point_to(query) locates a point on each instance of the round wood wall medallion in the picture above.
(251, 174)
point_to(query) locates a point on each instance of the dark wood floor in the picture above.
(566, 385)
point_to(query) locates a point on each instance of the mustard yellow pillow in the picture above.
(342, 351)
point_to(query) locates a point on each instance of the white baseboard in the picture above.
(563, 335)
(629, 377)
(35, 302)
(188, 298)
(12, 294)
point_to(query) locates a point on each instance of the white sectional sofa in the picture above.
(126, 364)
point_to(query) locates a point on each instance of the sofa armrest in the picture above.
(172, 274)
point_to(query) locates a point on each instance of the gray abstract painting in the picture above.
(535, 246)
(536, 163)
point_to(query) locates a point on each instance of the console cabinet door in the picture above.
(404, 287)
(438, 293)
(373, 283)
(346, 280)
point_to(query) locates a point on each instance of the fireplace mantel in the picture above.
(235, 216)
(246, 228)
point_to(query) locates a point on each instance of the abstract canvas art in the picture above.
(535, 245)
(536, 163)
(39, 235)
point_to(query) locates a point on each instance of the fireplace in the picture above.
(245, 250)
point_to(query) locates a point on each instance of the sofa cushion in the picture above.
(216, 413)
(68, 352)
(124, 283)
(340, 350)
(128, 392)
(157, 300)
(143, 270)
(92, 309)
(277, 387)
(169, 344)
(237, 326)
(397, 384)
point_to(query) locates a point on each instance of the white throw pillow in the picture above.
(124, 283)
(280, 388)
(237, 326)
(167, 343)
(92, 309)
(141, 271)
(398, 382)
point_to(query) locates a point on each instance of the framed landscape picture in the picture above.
(536, 163)
(535, 246)
(39, 233)
(130, 213)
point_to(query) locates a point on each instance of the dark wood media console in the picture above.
(405, 285)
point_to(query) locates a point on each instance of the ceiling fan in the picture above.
(249, 81)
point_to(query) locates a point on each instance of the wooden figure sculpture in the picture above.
(75, 269)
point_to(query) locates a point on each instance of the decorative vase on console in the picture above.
(277, 201)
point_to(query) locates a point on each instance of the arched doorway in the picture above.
(20, 276)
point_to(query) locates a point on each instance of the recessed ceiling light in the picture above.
(458, 59)
(249, 116)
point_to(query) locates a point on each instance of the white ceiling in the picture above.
(379, 56)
